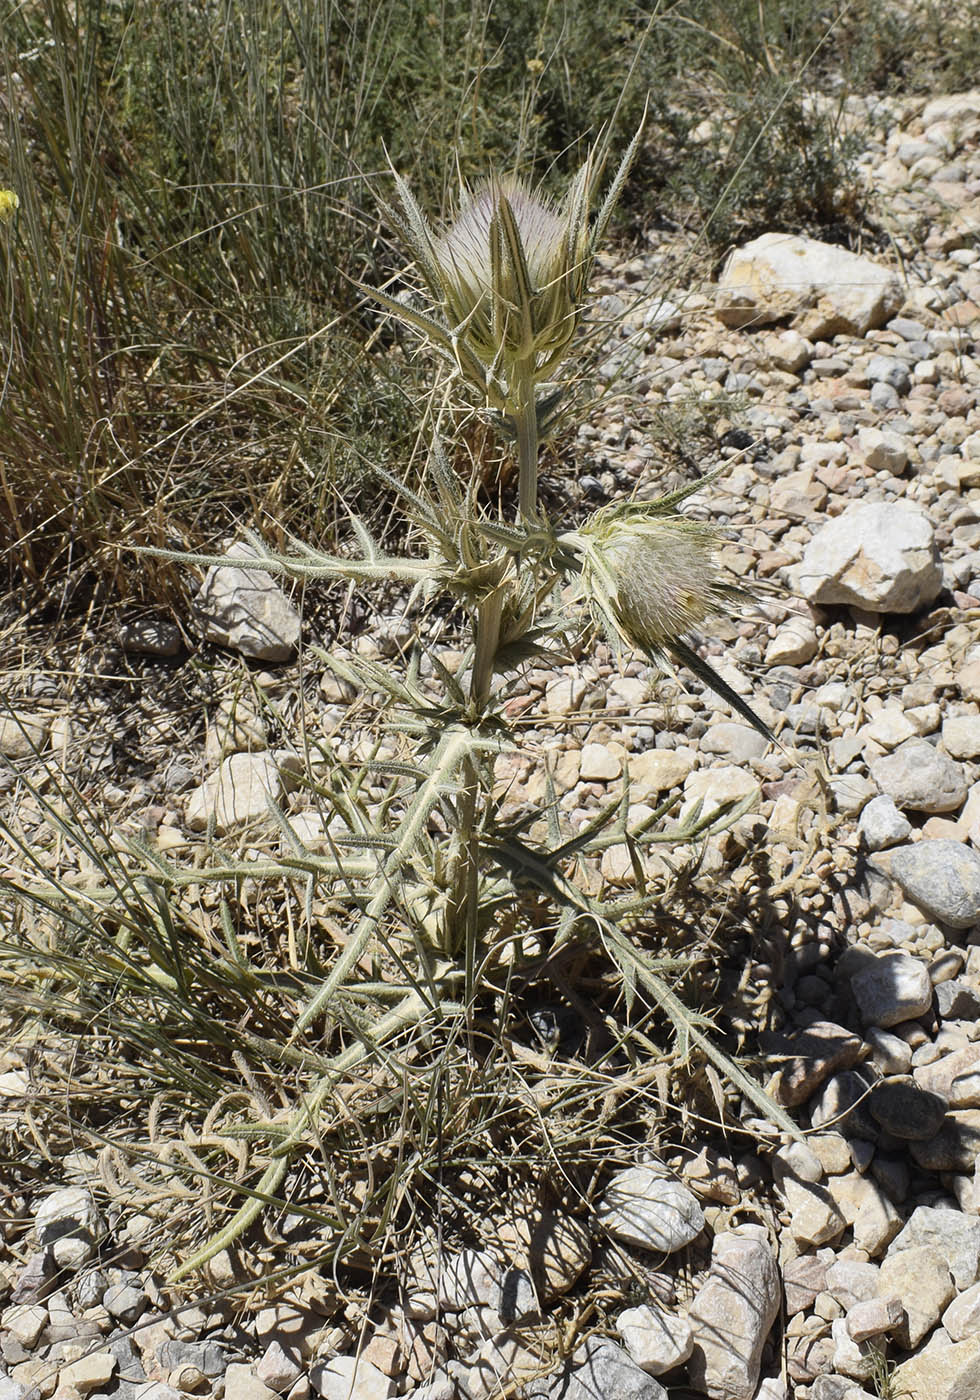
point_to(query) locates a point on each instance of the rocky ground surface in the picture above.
(845, 391)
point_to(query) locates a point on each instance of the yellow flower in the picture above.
(9, 203)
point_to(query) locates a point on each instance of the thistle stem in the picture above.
(464, 904)
(526, 422)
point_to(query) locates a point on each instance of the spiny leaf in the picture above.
(681, 652)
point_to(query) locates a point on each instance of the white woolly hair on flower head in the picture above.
(508, 277)
(465, 246)
(649, 575)
(654, 578)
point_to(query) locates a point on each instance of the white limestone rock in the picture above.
(881, 557)
(826, 289)
(643, 1207)
(732, 1313)
(656, 1339)
(940, 1371)
(238, 792)
(246, 610)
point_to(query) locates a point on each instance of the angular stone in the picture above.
(940, 1372)
(961, 736)
(555, 1248)
(731, 1316)
(238, 793)
(859, 1360)
(803, 1278)
(942, 878)
(870, 1214)
(883, 451)
(955, 1076)
(772, 1388)
(656, 1339)
(889, 728)
(469, 1279)
(906, 1110)
(891, 988)
(642, 1207)
(962, 1318)
(737, 742)
(69, 1222)
(851, 1282)
(22, 735)
(873, 1318)
(828, 290)
(599, 763)
(920, 778)
(955, 1147)
(246, 610)
(25, 1322)
(922, 1280)
(796, 1160)
(842, 1104)
(882, 824)
(565, 695)
(839, 1388)
(956, 1236)
(276, 1369)
(814, 1218)
(831, 1151)
(597, 1371)
(91, 1372)
(794, 644)
(349, 1378)
(956, 1000)
(658, 770)
(806, 1059)
(881, 557)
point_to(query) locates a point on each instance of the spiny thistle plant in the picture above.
(437, 878)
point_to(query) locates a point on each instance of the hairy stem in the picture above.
(464, 902)
(410, 1011)
(526, 416)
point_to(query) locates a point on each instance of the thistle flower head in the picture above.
(651, 575)
(464, 250)
(9, 203)
(507, 278)
(511, 273)
(654, 577)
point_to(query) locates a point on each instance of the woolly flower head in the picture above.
(507, 278)
(512, 270)
(650, 575)
(651, 578)
(9, 204)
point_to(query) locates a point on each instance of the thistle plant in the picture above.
(435, 873)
